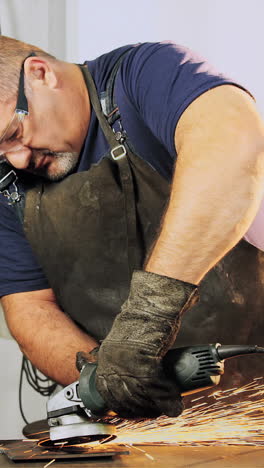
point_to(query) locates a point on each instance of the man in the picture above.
(93, 207)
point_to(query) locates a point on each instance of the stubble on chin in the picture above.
(60, 165)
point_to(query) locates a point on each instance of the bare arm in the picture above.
(45, 334)
(218, 184)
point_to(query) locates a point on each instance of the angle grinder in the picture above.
(74, 412)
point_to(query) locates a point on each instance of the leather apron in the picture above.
(92, 229)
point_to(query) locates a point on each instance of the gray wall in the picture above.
(39, 22)
(229, 33)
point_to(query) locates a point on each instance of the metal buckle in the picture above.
(118, 156)
(14, 196)
(10, 173)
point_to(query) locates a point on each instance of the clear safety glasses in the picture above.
(10, 140)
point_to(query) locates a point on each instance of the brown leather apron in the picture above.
(92, 229)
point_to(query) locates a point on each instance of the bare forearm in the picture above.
(201, 227)
(46, 336)
(217, 188)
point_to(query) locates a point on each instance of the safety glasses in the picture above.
(10, 140)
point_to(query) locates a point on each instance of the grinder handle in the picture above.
(193, 369)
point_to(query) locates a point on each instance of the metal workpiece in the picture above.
(33, 450)
(151, 456)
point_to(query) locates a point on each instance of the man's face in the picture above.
(46, 162)
(47, 141)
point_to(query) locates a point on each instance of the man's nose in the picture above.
(20, 158)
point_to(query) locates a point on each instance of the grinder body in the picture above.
(193, 368)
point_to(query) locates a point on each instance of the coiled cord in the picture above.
(43, 385)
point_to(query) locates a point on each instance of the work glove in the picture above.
(129, 376)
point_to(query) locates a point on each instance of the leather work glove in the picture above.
(129, 375)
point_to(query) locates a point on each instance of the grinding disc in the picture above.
(36, 430)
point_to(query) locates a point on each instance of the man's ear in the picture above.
(40, 72)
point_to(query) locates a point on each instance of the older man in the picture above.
(107, 230)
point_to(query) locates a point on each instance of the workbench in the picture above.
(162, 456)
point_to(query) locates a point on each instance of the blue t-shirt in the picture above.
(155, 84)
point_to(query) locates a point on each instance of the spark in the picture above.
(227, 417)
(61, 444)
(141, 450)
(196, 399)
(104, 441)
(48, 464)
(31, 456)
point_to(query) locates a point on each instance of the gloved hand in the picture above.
(129, 377)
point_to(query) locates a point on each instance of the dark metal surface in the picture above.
(19, 450)
(160, 456)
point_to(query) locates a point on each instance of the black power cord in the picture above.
(43, 385)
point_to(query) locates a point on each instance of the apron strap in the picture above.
(109, 107)
(119, 154)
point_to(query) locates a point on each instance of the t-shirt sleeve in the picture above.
(255, 234)
(162, 79)
(19, 270)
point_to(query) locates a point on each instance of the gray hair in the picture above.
(12, 55)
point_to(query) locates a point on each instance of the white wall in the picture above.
(228, 32)
(38, 22)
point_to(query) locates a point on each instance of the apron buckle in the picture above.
(118, 152)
